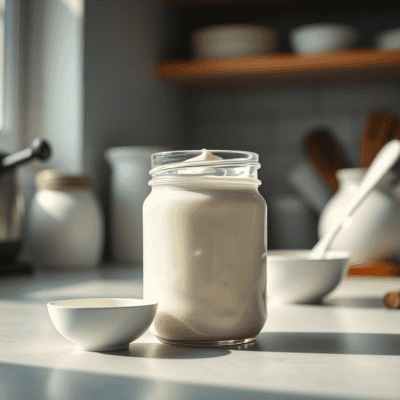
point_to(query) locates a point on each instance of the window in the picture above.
(2, 19)
(11, 51)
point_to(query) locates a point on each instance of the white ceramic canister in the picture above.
(205, 247)
(130, 168)
(65, 226)
(373, 231)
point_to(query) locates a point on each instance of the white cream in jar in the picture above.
(204, 227)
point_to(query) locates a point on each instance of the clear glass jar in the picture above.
(204, 227)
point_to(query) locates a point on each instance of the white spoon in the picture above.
(382, 163)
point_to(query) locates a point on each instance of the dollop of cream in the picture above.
(205, 155)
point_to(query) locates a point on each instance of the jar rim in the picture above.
(178, 156)
(219, 167)
(168, 160)
(204, 181)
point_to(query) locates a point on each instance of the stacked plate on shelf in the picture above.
(237, 40)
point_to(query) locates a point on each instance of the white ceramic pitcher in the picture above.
(373, 232)
(130, 168)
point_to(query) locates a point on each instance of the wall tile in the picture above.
(236, 133)
(277, 103)
(214, 109)
(367, 97)
(278, 165)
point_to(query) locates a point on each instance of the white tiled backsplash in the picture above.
(274, 122)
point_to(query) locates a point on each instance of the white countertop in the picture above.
(346, 348)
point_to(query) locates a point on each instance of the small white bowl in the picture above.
(292, 277)
(237, 40)
(322, 38)
(388, 40)
(102, 324)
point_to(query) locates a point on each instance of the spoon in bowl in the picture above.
(382, 163)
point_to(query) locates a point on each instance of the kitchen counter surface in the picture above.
(346, 348)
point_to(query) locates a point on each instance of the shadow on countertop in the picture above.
(328, 343)
(278, 342)
(354, 302)
(166, 351)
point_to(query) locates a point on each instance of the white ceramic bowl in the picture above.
(102, 324)
(294, 278)
(233, 41)
(322, 38)
(388, 40)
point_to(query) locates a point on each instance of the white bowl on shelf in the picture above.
(102, 324)
(292, 277)
(236, 40)
(388, 40)
(322, 38)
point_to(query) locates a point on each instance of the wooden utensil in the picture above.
(326, 156)
(375, 268)
(379, 128)
(394, 131)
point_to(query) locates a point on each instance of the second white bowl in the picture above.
(292, 277)
(102, 324)
(388, 40)
(322, 38)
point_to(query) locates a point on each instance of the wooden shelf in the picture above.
(283, 68)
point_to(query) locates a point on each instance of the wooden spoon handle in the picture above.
(325, 156)
(379, 128)
(395, 132)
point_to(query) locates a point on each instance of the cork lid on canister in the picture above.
(55, 180)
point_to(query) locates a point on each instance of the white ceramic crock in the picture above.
(65, 228)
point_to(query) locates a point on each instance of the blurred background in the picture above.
(87, 75)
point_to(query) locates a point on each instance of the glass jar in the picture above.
(204, 227)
